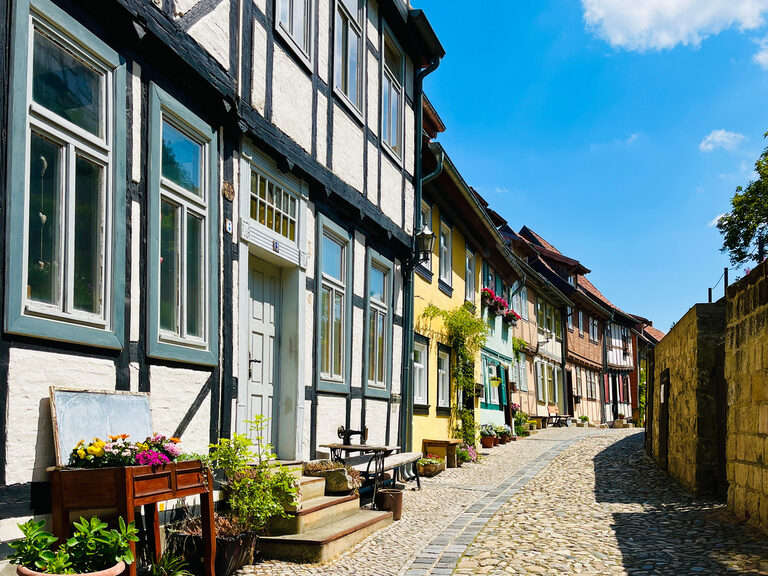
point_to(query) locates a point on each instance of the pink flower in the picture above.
(172, 449)
(151, 458)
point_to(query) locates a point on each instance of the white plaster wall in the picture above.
(135, 279)
(373, 23)
(259, 69)
(409, 121)
(331, 413)
(373, 173)
(133, 370)
(135, 75)
(322, 129)
(394, 423)
(409, 193)
(212, 33)
(172, 393)
(356, 414)
(397, 354)
(391, 189)
(376, 420)
(291, 99)
(30, 373)
(358, 330)
(347, 149)
(373, 95)
(181, 7)
(261, 5)
(360, 271)
(235, 318)
(323, 30)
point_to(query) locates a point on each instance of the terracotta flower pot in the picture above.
(486, 441)
(496, 441)
(118, 568)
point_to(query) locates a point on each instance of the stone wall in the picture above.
(746, 370)
(690, 353)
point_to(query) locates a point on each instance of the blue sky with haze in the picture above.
(616, 129)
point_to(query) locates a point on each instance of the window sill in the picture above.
(421, 409)
(301, 57)
(443, 410)
(393, 155)
(424, 272)
(445, 287)
(349, 107)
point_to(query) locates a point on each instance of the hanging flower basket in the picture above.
(487, 296)
(511, 317)
(495, 381)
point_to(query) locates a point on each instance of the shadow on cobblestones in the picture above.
(661, 529)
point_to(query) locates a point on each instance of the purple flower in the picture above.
(172, 449)
(151, 458)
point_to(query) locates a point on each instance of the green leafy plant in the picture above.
(488, 430)
(169, 565)
(93, 547)
(584, 418)
(430, 459)
(320, 466)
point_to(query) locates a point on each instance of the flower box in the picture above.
(487, 441)
(429, 470)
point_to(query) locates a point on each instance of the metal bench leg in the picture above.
(416, 472)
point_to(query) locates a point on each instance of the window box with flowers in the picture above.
(430, 466)
(511, 317)
(487, 296)
(499, 306)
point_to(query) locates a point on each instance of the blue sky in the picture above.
(616, 129)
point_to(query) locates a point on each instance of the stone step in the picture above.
(310, 487)
(324, 543)
(295, 467)
(315, 513)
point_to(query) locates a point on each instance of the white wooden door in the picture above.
(263, 348)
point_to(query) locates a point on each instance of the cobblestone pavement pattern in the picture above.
(601, 508)
(566, 501)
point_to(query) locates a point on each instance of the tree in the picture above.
(745, 227)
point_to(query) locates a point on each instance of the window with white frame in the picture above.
(558, 385)
(524, 303)
(540, 382)
(581, 323)
(348, 50)
(593, 323)
(540, 315)
(70, 180)
(443, 379)
(578, 384)
(420, 359)
(551, 387)
(522, 384)
(558, 325)
(378, 323)
(493, 391)
(333, 305)
(550, 319)
(445, 254)
(295, 19)
(569, 313)
(392, 95)
(273, 206)
(469, 276)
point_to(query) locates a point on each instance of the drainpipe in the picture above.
(439, 153)
(406, 408)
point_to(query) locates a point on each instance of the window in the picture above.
(551, 389)
(332, 308)
(569, 313)
(443, 379)
(273, 206)
(348, 51)
(522, 383)
(295, 21)
(445, 254)
(558, 325)
(493, 372)
(392, 96)
(66, 162)
(490, 278)
(420, 359)
(591, 384)
(524, 302)
(426, 221)
(540, 381)
(593, 323)
(581, 323)
(469, 276)
(183, 249)
(540, 319)
(577, 384)
(379, 329)
(549, 319)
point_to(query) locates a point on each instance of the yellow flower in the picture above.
(95, 450)
(81, 453)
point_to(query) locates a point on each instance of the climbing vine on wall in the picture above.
(467, 334)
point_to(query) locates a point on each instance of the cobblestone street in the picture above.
(566, 501)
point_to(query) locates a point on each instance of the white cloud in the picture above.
(663, 24)
(631, 139)
(761, 58)
(715, 220)
(721, 139)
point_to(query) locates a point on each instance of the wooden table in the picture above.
(378, 454)
(125, 488)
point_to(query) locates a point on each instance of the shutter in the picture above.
(524, 302)
(607, 387)
(539, 381)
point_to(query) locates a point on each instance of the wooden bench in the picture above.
(394, 462)
(448, 446)
(557, 419)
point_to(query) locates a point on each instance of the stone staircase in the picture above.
(321, 526)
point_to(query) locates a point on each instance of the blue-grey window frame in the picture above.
(445, 349)
(16, 322)
(160, 100)
(323, 385)
(372, 256)
(423, 409)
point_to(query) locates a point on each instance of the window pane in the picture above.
(353, 6)
(333, 256)
(169, 267)
(194, 265)
(44, 220)
(65, 85)
(338, 318)
(372, 346)
(385, 108)
(376, 284)
(285, 13)
(182, 159)
(340, 53)
(254, 195)
(380, 347)
(394, 138)
(354, 50)
(299, 16)
(392, 60)
(88, 241)
(325, 331)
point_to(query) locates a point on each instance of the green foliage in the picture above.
(465, 426)
(169, 565)
(584, 418)
(257, 486)
(521, 421)
(641, 396)
(747, 222)
(92, 547)
(518, 345)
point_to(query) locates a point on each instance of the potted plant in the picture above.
(256, 488)
(430, 466)
(466, 453)
(499, 305)
(339, 479)
(504, 432)
(94, 549)
(511, 317)
(169, 565)
(583, 420)
(487, 296)
(487, 436)
(521, 423)
(494, 381)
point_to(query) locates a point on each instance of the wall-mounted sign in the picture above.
(228, 190)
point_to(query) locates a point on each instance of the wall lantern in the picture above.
(425, 243)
